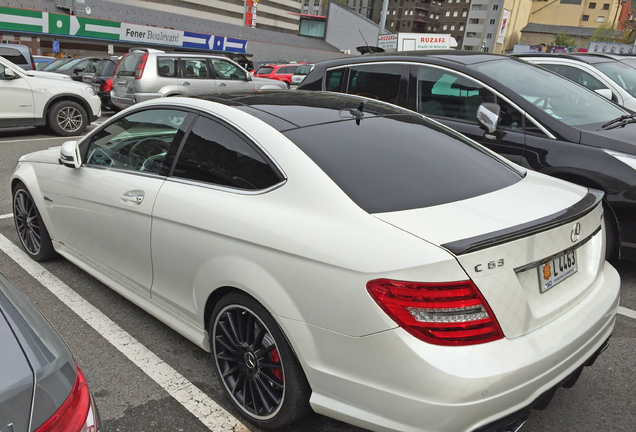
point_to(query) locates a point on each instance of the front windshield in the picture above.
(556, 96)
(621, 74)
(70, 64)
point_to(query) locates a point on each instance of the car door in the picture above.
(195, 77)
(230, 76)
(17, 97)
(201, 211)
(453, 98)
(103, 209)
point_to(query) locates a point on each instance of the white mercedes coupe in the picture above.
(334, 253)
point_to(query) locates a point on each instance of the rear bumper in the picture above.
(129, 100)
(514, 421)
(391, 381)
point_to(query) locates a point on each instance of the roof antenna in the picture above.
(365, 41)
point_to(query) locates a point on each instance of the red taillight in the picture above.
(76, 413)
(107, 85)
(444, 313)
(139, 70)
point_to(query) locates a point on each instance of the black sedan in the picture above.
(545, 122)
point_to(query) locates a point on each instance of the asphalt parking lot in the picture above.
(145, 377)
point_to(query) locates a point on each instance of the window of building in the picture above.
(495, 7)
(592, 6)
(447, 13)
(606, 6)
(468, 47)
(471, 34)
(473, 21)
(461, 27)
(488, 35)
(485, 49)
(492, 22)
(476, 7)
(600, 19)
(432, 16)
(577, 2)
(455, 13)
(452, 27)
(464, 13)
(445, 27)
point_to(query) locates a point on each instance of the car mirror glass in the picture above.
(70, 155)
(488, 116)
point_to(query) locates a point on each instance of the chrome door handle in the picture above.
(132, 197)
(185, 83)
(222, 84)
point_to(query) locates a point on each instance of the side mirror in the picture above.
(606, 93)
(488, 116)
(70, 155)
(9, 74)
(78, 70)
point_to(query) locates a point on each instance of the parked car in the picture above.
(28, 99)
(603, 73)
(76, 68)
(336, 252)
(18, 54)
(145, 74)
(279, 72)
(300, 74)
(41, 386)
(42, 61)
(102, 81)
(545, 122)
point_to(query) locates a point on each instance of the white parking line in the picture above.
(187, 394)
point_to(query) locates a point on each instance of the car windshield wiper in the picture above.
(620, 121)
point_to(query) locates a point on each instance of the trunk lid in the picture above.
(509, 242)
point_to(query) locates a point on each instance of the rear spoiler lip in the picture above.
(570, 214)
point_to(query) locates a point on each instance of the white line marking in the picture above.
(6, 216)
(627, 312)
(39, 139)
(194, 400)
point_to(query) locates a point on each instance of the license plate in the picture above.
(557, 270)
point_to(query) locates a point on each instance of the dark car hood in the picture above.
(622, 139)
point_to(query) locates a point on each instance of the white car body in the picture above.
(305, 251)
(30, 95)
(618, 94)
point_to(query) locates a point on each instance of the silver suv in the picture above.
(145, 74)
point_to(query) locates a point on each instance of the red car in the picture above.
(280, 72)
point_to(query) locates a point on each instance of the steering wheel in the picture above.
(154, 163)
(146, 148)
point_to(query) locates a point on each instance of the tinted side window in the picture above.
(286, 70)
(333, 80)
(214, 154)
(137, 142)
(577, 75)
(167, 67)
(377, 81)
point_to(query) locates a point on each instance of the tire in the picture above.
(255, 364)
(67, 118)
(34, 237)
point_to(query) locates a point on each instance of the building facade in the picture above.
(410, 16)
(583, 13)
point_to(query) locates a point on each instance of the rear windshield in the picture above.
(394, 163)
(265, 70)
(128, 64)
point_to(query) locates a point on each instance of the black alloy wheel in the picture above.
(33, 234)
(255, 364)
